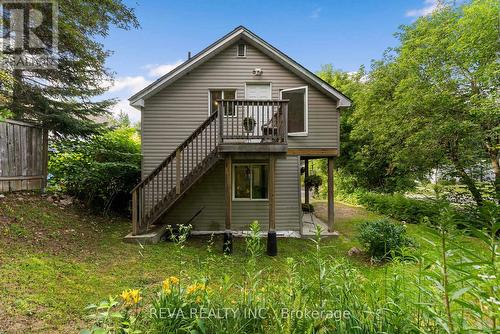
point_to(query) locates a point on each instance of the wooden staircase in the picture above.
(179, 171)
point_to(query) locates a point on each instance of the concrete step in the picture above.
(152, 237)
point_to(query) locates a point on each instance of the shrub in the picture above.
(400, 207)
(383, 238)
(100, 170)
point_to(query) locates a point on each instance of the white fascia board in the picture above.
(264, 46)
(165, 80)
(138, 104)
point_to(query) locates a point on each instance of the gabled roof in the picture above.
(240, 32)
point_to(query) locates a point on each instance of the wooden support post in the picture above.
(135, 222)
(306, 174)
(178, 172)
(330, 195)
(228, 237)
(272, 247)
(45, 158)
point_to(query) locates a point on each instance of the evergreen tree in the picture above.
(63, 99)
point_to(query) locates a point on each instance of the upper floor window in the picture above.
(226, 94)
(242, 50)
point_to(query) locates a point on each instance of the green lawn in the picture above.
(54, 261)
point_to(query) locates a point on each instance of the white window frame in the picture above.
(306, 111)
(244, 50)
(222, 90)
(233, 185)
(260, 83)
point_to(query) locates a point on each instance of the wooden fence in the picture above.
(23, 156)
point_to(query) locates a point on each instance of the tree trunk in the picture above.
(496, 169)
(492, 150)
(471, 185)
(464, 177)
(16, 106)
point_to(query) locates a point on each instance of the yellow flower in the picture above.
(125, 295)
(166, 286)
(190, 289)
(198, 300)
(136, 296)
(131, 297)
(195, 287)
(174, 280)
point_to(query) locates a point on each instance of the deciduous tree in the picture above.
(434, 99)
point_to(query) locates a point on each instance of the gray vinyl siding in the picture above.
(208, 196)
(171, 115)
(288, 194)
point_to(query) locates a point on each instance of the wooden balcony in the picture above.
(237, 126)
(253, 125)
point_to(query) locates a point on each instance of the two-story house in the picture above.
(223, 136)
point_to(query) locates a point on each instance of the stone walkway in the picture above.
(309, 223)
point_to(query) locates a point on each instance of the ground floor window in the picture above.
(250, 181)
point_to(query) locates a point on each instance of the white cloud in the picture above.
(124, 106)
(159, 70)
(130, 84)
(315, 13)
(122, 87)
(429, 7)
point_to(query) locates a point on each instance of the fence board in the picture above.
(23, 156)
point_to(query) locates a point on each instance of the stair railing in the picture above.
(174, 173)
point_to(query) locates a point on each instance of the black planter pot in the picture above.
(227, 246)
(272, 243)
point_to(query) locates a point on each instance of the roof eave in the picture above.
(210, 51)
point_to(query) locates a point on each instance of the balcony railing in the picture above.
(253, 121)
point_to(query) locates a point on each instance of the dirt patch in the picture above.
(46, 226)
(343, 212)
(14, 324)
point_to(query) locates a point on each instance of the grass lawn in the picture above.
(54, 261)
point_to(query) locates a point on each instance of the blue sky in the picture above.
(344, 33)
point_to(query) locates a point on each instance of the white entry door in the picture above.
(258, 91)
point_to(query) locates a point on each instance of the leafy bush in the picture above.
(383, 239)
(400, 207)
(100, 170)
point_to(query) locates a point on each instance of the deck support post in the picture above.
(272, 242)
(306, 174)
(227, 247)
(330, 195)
(135, 221)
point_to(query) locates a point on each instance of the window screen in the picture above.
(296, 109)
